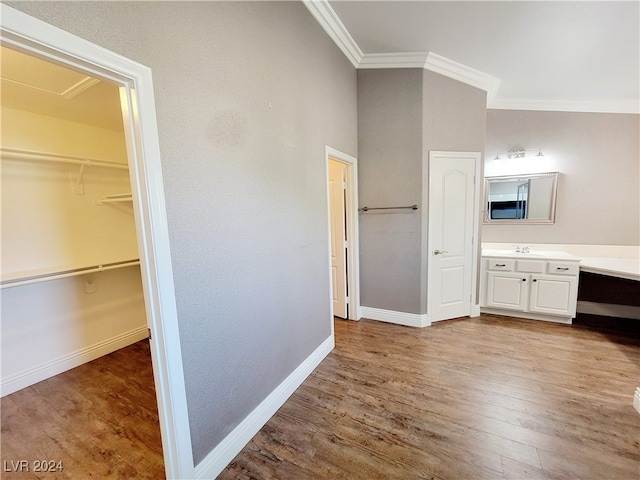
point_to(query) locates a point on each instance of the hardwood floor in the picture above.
(100, 420)
(486, 398)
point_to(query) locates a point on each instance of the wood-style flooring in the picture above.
(100, 420)
(485, 398)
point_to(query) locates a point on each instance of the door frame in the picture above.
(353, 239)
(40, 39)
(474, 307)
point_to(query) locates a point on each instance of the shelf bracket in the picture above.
(77, 184)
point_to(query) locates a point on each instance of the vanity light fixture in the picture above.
(518, 153)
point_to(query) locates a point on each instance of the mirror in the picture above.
(521, 198)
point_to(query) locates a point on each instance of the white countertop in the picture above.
(532, 255)
(617, 267)
(622, 261)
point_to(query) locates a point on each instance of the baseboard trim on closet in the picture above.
(54, 367)
(400, 318)
(636, 400)
(217, 460)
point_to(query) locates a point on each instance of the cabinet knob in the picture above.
(524, 279)
(535, 280)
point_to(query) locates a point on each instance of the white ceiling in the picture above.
(45, 88)
(541, 55)
(548, 55)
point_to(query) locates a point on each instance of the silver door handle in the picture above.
(439, 252)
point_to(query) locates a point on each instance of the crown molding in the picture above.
(333, 26)
(457, 71)
(393, 60)
(591, 106)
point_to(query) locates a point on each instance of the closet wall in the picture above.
(52, 222)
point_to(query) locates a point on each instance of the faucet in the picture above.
(517, 248)
(525, 249)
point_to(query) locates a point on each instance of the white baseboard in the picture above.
(475, 311)
(609, 310)
(400, 318)
(54, 367)
(220, 456)
(636, 400)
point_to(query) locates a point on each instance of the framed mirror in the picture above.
(519, 199)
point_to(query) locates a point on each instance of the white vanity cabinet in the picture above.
(530, 285)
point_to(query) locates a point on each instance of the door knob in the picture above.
(439, 252)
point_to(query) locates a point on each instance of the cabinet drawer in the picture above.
(502, 264)
(563, 268)
(530, 266)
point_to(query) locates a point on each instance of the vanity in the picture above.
(540, 285)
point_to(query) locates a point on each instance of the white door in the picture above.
(451, 227)
(338, 238)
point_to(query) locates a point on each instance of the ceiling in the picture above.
(45, 88)
(535, 55)
(541, 55)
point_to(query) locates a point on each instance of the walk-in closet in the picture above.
(71, 289)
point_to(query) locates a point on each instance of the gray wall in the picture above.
(402, 115)
(389, 174)
(247, 96)
(597, 155)
(455, 117)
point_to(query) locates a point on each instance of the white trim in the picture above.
(217, 460)
(333, 26)
(399, 318)
(437, 64)
(636, 400)
(609, 310)
(54, 367)
(462, 73)
(29, 34)
(586, 106)
(351, 206)
(393, 60)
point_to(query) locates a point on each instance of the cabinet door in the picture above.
(507, 290)
(554, 295)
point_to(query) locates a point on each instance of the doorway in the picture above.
(29, 35)
(452, 253)
(342, 196)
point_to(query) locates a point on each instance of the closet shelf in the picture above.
(116, 198)
(32, 156)
(73, 272)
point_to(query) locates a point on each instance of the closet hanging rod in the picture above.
(74, 272)
(17, 154)
(366, 209)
